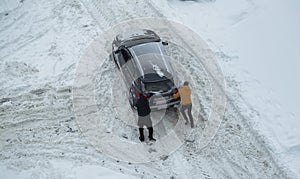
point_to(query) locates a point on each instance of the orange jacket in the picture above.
(185, 94)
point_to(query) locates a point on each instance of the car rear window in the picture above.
(162, 86)
(147, 48)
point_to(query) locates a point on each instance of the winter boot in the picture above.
(142, 138)
(150, 129)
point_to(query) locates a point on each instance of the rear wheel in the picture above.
(132, 98)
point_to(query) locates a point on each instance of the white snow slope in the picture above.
(40, 44)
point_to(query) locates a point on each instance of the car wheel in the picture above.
(132, 99)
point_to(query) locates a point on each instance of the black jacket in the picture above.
(143, 107)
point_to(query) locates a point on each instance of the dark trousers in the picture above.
(150, 130)
(187, 107)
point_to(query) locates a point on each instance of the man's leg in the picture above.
(190, 115)
(141, 130)
(183, 108)
(150, 129)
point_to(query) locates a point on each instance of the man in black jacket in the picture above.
(144, 119)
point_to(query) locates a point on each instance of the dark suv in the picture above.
(145, 68)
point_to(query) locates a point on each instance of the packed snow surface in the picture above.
(42, 43)
(261, 41)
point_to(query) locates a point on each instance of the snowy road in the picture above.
(38, 127)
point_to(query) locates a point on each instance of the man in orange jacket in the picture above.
(184, 93)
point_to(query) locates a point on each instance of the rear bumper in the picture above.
(168, 103)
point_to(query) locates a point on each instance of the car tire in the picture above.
(132, 100)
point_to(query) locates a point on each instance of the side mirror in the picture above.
(165, 43)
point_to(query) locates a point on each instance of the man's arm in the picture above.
(176, 95)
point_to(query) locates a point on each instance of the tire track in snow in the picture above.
(16, 41)
(48, 138)
(100, 11)
(90, 155)
(244, 120)
(254, 133)
(36, 127)
(15, 22)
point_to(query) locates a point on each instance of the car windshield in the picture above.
(159, 86)
(136, 34)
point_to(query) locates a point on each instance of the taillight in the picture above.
(175, 91)
(137, 93)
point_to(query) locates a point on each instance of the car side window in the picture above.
(126, 55)
(120, 59)
(131, 68)
(138, 84)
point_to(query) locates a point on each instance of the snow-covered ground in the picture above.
(262, 42)
(42, 42)
(62, 169)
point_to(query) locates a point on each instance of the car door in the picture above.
(126, 68)
(119, 59)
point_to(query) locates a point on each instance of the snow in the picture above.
(263, 39)
(270, 54)
(62, 169)
(6, 5)
(42, 44)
